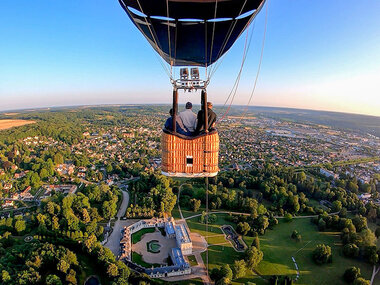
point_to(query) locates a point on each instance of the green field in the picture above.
(220, 250)
(192, 260)
(278, 249)
(137, 258)
(136, 237)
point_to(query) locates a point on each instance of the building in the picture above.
(169, 229)
(26, 195)
(183, 239)
(7, 186)
(328, 173)
(7, 204)
(179, 232)
(64, 188)
(365, 196)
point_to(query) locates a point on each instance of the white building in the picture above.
(183, 239)
(328, 173)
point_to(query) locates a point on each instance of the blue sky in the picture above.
(318, 55)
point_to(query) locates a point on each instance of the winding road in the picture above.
(113, 242)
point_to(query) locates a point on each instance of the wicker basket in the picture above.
(190, 157)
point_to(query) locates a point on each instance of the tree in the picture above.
(90, 242)
(20, 226)
(296, 235)
(243, 228)
(253, 257)
(224, 281)
(351, 250)
(112, 270)
(360, 223)
(226, 271)
(55, 223)
(63, 266)
(351, 274)
(370, 253)
(58, 158)
(288, 217)
(321, 225)
(71, 277)
(337, 206)
(368, 238)
(53, 280)
(109, 209)
(322, 254)
(215, 274)
(377, 232)
(5, 277)
(195, 204)
(256, 241)
(239, 268)
(86, 216)
(361, 281)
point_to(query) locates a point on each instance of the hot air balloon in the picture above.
(191, 33)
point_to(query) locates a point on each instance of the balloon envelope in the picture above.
(191, 32)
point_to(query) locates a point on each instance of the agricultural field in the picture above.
(279, 248)
(7, 124)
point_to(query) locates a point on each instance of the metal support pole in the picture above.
(175, 109)
(205, 110)
(206, 182)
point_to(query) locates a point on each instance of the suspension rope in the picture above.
(152, 34)
(206, 182)
(213, 34)
(169, 43)
(259, 66)
(232, 27)
(237, 81)
(219, 62)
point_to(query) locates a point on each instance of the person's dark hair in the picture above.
(171, 112)
(189, 105)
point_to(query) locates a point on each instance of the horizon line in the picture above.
(168, 104)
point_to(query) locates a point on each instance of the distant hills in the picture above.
(359, 123)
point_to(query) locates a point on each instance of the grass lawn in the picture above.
(315, 203)
(192, 260)
(213, 229)
(224, 253)
(137, 258)
(278, 249)
(136, 237)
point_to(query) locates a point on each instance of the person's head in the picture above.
(209, 105)
(189, 105)
(171, 112)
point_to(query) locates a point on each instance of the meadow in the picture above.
(278, 248)
(7, 124)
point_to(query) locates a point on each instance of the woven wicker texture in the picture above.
(198, 155)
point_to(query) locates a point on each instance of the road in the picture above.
(374, 272)
(113, 242)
